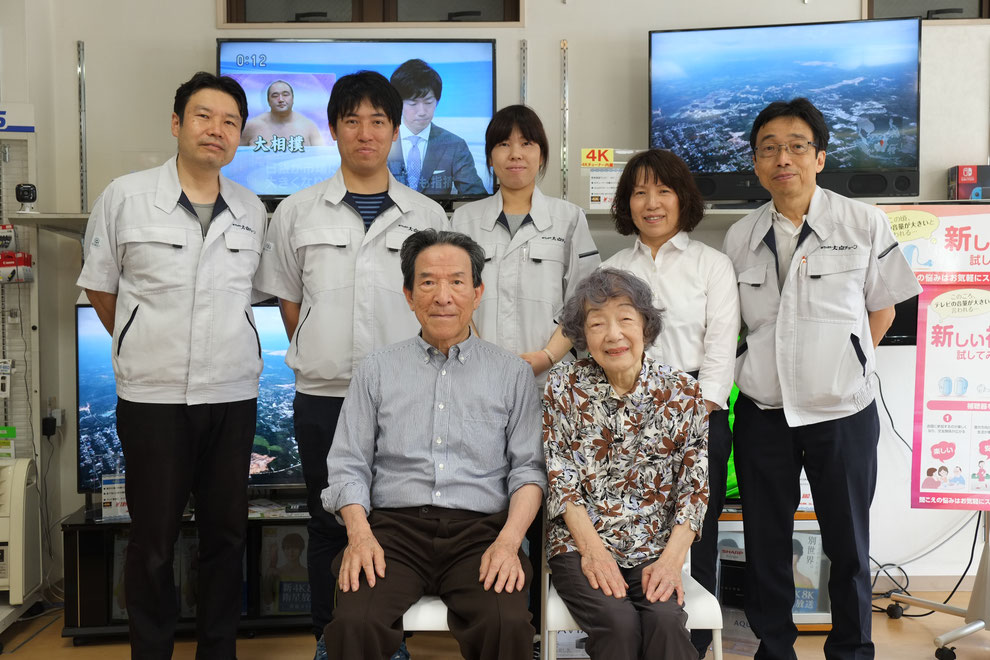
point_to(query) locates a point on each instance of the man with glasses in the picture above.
(818, 277)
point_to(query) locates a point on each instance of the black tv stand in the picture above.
(88, 553)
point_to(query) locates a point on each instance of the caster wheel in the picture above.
(78, 641)
(895, 611)
(945, 653)
(250, 634)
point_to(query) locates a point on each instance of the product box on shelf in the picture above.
(15, 267)
(969, 182)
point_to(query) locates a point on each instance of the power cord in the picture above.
(889, 416)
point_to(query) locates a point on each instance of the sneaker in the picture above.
(321, 649)
(401, 654)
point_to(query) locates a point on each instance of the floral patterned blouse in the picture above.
(637, 463)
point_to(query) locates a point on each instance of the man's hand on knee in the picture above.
(361, 553)
(501, 568)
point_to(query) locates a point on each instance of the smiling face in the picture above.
(417, 113)
(655, 210)
(210, 129)
(614, 333)
(280, 97)
(364, 137)
(443, 297)
(516, 161)
(787, 176)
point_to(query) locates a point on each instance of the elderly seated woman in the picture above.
(626, 445)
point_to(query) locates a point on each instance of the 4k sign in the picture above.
(597, 158)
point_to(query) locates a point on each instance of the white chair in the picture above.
(428, 613)
(701, 606)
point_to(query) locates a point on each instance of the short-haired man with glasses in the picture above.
(818, 277)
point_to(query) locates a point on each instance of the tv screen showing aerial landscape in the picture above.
(274, 457)
(707, 87)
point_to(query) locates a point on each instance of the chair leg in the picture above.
(717, 644)
(550, 645)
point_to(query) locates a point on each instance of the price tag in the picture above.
(597, 157)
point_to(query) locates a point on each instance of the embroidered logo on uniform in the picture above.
(553, 238)
(269, 246)
(402, 226)
(96, 241)
(243, 227)
(839, 248)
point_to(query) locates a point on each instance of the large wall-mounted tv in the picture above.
(275, 456)
(274, 165)
(708, 85)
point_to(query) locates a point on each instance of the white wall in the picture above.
(137, 52)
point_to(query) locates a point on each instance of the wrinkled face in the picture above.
(417, 113)
(210, 129)
(364, 138)
(614, 333)
(443, 297)
(516, 161)
(655, 210)
(280, 97)
(787, 175)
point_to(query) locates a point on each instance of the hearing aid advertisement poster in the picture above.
(948, 246)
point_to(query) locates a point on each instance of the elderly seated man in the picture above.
(437, 471)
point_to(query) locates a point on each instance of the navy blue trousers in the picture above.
(840, 459)
(315, 420)
(173, 450)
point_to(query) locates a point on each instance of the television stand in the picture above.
(88, 555)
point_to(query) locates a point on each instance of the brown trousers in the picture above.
(631, 628)
(429, 550)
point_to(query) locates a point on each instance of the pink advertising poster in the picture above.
(948, 247)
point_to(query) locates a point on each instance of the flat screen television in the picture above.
(274, 166)
(275, 457)
(708, 85)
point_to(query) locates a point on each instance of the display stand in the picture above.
(977, 615)
(88, 547)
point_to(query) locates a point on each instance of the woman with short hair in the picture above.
(625, 439)
(657, 200)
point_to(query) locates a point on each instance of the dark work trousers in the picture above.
(315, 420)
(630, 628)
(840, 459)
(430, 550)
(704, 552)
(172, 450)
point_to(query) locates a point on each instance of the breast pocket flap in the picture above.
(337, 236)
(170, 235)
(754, 275)
(241, 240)
(546, 252)
(826, 264)
(395, 237)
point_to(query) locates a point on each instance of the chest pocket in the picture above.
(391, 274)
(158, 258)
(327, 258)
(544, 273)
(758, 294)
(242, 254)
(833, 288)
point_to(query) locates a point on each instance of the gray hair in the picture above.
(597, 289)
(425, 238)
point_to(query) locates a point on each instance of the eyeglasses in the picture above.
(794, 148)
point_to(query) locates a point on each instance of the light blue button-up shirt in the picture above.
(418, 428)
